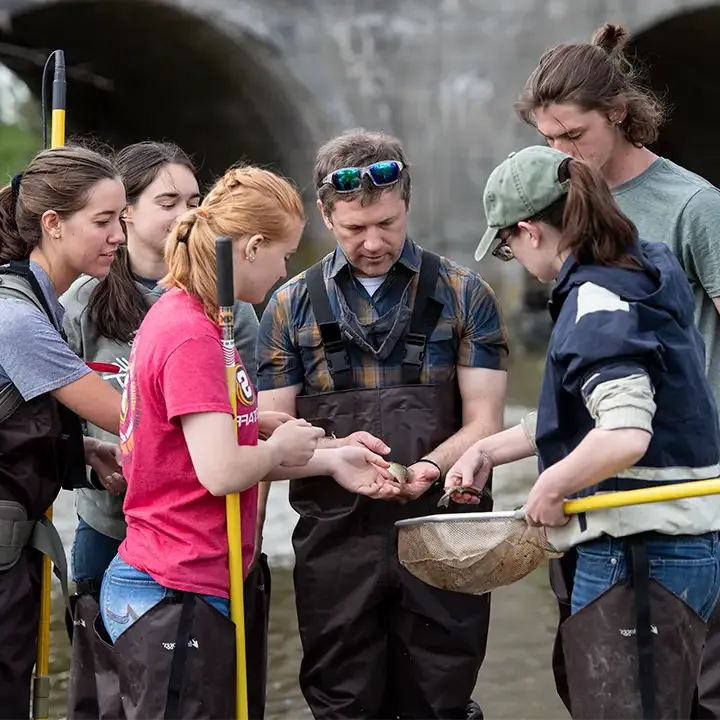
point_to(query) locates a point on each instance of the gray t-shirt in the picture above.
(100, 510)
(33, 355)
(670, 204)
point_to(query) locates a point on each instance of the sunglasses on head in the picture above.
(382, 174)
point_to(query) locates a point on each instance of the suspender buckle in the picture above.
(337, 358)
(415, 346)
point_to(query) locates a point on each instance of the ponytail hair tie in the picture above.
(203, 211)
(564, 170)
(15, 184)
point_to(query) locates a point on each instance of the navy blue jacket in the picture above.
(611, 323)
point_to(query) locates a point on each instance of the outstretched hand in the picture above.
(364, 472)
(364, 439)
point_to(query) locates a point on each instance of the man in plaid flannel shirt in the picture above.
(346, 570)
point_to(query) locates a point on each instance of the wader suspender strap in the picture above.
(44, 536)
(640, 578)
(334, 345)
(22, 268)
(177, 666)
(426, 313)
(15, 287)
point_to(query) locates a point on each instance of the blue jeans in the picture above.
(687, 565)
(91, 553)
(127, 594)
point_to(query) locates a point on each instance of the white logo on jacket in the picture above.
(120, 377)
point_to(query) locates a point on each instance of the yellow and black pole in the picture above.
(59, 102)
(226, 302)
(41, 684)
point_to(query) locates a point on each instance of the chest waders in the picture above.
(378, 643)
(707, 701)
(41, 451)
(650, 638)
(93, 685)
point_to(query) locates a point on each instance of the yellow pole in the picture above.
(41, 684)
(226, 301)
(57, 137)
(661, 493)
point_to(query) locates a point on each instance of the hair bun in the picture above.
(611, 38)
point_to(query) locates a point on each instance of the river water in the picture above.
(515, 682)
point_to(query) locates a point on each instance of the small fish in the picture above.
(399, 472)
(459, 490)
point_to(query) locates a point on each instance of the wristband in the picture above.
(433, 463)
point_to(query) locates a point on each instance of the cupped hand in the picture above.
(471, 470)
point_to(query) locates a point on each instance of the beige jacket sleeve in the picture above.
(624, 403)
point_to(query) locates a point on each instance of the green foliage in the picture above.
(21, 138)
(18, 143)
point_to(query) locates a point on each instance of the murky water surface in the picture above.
(515, 682)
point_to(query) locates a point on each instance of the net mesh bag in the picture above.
(472, 556)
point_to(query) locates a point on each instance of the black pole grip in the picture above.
(224, 272)
(59, 86)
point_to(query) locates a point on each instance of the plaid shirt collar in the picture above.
(410, 257)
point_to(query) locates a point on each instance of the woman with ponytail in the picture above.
(165, 596)
(101, 319)
(102, 316)
(59, 218)
(624, 404)
(589, 101)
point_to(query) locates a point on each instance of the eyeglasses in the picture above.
(503, 251)
(382, 174)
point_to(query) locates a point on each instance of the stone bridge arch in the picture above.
(208, 80)
(681, 54)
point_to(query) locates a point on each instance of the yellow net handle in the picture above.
(640, 497)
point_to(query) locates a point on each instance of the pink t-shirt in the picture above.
(176, 530)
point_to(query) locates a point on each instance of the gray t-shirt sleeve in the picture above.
(32, 353)
(74, 307)
(699, 233)
(246, 332)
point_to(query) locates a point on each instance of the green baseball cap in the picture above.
(523, 185)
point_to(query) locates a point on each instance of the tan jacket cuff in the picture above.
(529, 426)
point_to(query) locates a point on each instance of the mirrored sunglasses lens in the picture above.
(346, 179)
(385, 173)
(503, 252)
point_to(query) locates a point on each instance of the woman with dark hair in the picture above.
(613, 415)
(102, 317)
(103, 314)
(58, 219)
(589, 100)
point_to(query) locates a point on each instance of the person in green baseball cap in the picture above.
(613, 414)
(543, 206)
(522, 187)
